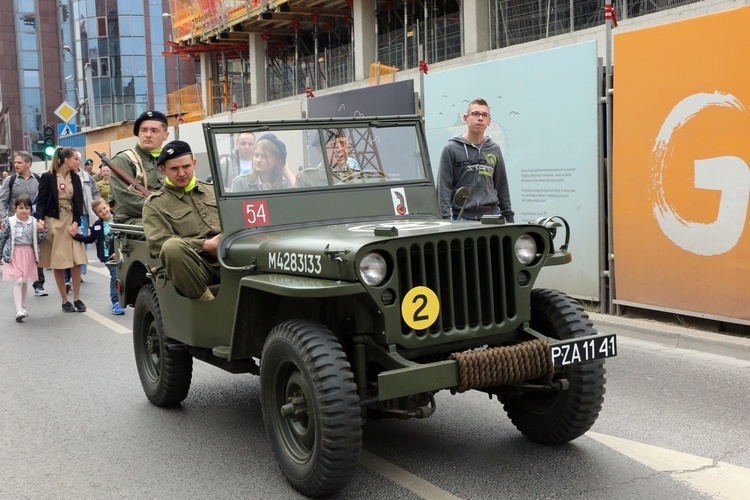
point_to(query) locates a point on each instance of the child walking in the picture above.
(19, 240)
(101, 234)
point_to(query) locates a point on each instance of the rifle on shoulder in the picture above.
(123, 175)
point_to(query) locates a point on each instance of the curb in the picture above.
(675, 336)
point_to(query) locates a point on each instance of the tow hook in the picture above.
(295, 409)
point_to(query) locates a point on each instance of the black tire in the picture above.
(559, 417)
(318, 451)
(165, 373)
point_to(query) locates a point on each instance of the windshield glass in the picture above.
(316, 158)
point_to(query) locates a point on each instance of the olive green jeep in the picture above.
(353, 299)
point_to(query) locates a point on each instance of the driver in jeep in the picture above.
(140, 164)
(343, 167)
(181, 222)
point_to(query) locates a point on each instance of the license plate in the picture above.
(575, 351)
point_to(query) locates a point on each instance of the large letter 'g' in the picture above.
(728, 174)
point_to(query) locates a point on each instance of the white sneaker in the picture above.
(20, 315)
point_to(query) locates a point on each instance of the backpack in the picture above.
(12, 179)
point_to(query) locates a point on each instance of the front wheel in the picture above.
(559, 417)
(164, 367)
(309, 401)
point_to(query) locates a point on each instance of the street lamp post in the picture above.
(91, 104)
(179, 69)
(73, 77)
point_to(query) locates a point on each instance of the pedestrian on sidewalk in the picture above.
(19, 241)
(101, 234)
(473, 160)
(60, 206)
(23, 181)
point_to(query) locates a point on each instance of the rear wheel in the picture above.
(310, 409)
(164, 366)
(559, 417)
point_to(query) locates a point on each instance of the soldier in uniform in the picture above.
(140, 164)
(181, 222)
(343, 167)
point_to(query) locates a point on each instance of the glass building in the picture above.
(119, 70)
(102, 57)
(30, 72)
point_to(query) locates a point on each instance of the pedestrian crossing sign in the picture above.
(66, 129)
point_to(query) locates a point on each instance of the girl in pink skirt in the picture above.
(19, 241)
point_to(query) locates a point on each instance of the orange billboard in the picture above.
(681, 174)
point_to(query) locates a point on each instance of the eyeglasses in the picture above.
(477, 114)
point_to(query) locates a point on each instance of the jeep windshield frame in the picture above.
(366, 164)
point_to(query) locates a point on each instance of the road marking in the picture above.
(413, 483)
(711, 477)
(101, 270)
(112, 325)
(694, 354)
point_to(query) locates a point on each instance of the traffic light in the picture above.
(48, 140)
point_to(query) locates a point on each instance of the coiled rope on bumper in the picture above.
(531, 360)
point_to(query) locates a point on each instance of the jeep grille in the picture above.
(472, 276)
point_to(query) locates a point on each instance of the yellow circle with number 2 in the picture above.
(420, 308)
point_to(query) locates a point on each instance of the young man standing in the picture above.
(89, 165)
(475, 161)
(140, 164)
(21, 182)
(240, 162)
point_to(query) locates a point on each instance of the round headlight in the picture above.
(525, 249)
(373, 269)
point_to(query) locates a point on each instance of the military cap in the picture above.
(173, 149)
(89, 161)
(149, 115)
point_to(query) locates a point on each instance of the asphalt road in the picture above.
(74, 423)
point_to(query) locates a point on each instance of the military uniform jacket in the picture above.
(129, 202)
(171, 212)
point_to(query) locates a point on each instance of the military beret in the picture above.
(173, 149)
(278, 143)
(89, 161)
(149, 115)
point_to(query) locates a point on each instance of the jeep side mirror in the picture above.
(461, 198)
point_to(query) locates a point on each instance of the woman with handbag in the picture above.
(59, 208)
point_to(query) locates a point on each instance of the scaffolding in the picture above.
(199, 19)
(187, 103)
(308, 43)
(380, 73)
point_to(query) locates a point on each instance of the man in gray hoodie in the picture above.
(474, 161)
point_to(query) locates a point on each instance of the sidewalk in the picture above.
(675, 336)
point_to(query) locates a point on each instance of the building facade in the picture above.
(101, 57)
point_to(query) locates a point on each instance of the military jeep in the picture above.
(354, 299)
